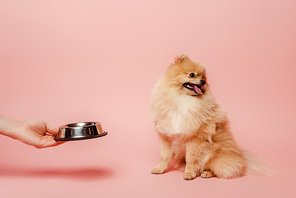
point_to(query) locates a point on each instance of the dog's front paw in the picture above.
(157, 171)
(189, 176)
(207, 174)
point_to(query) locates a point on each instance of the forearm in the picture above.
(8, 126)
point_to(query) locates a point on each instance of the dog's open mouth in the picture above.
(194, 87)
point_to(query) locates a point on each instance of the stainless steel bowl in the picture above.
(80, 131)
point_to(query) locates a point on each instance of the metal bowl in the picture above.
(80, 131)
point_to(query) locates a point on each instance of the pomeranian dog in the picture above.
(193, 129)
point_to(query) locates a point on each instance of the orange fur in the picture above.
(193, 129)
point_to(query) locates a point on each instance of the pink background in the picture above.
(68, 61)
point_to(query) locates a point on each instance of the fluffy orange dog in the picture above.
(193, 128)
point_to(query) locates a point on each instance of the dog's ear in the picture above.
(181, 58)
(204, 75)
(204, 66)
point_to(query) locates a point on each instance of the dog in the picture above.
(193, 129)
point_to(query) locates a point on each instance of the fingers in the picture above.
(58, 143)
(53, 131)
(50, 129)
(52, 144)
(48, 141)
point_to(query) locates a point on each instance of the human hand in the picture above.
(36, 133)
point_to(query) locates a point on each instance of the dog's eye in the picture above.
(192, 75)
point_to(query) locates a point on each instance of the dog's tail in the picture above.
(255, 165)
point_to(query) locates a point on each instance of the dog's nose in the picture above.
(202, 82)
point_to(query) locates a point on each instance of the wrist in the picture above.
(8, 127)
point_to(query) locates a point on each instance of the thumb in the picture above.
(47, 141)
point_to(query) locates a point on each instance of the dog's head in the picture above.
(188, 76)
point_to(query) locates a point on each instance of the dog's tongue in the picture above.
(197, 89)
